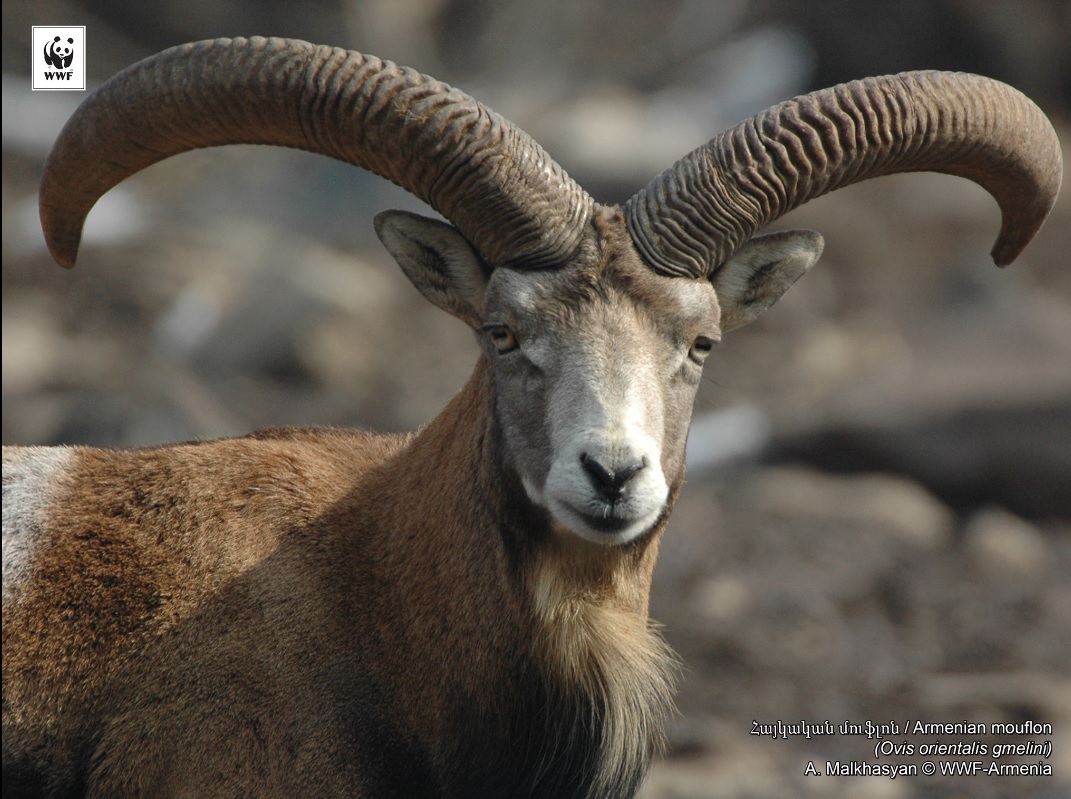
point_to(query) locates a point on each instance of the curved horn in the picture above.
(490, 179)
(692, 217)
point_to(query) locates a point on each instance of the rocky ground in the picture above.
(890, 539)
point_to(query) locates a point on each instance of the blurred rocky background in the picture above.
(878, 518)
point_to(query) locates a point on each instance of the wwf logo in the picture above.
(63, 50)
(58, 54)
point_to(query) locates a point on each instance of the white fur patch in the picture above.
(29, 490)
(609, 418)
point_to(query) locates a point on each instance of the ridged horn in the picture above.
(692, 217)
(490, 179)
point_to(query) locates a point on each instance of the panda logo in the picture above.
(59, 55)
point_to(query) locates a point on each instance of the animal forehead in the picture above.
(621, 289)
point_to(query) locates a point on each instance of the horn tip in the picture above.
(63, 245)
(1010, 246)
(61, 226)
(65, 260)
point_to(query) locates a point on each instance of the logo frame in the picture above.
(58, 58)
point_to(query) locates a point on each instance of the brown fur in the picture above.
(323, 613)
(287, 615)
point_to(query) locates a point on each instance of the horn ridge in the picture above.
(691, 218)
(489, 178)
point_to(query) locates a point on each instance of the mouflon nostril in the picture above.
(609, 482)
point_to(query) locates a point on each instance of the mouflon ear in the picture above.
(439, 261)
(758, 273)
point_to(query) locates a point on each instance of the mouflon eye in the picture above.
(701, 348)
(502, 338)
